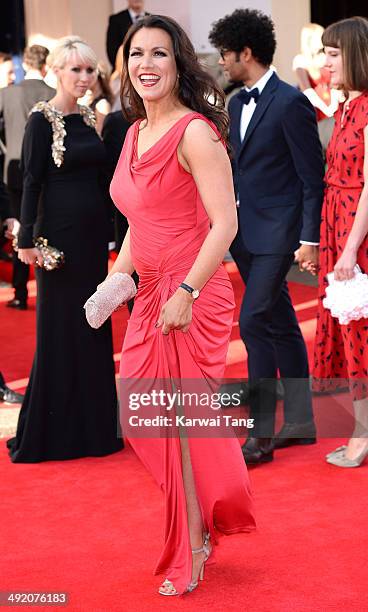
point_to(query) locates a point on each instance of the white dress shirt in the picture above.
(33, 74)
(248, 109)
(135, 16)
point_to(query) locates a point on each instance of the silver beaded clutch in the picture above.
(110, 295)
(52, 257)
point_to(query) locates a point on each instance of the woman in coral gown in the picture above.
(341, 350)
(173, 182)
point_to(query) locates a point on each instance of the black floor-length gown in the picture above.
(70, 406)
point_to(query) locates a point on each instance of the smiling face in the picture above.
(334, 64)
(76, 76)
(151, 64)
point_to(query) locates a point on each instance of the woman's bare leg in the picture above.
(359, 439)
(195, 522)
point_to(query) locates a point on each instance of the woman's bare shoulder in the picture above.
(201, 130)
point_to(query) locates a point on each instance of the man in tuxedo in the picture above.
(119, 24)
(278, 179)
(16, 102)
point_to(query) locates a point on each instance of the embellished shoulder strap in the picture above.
(57, 121)
(88, 115)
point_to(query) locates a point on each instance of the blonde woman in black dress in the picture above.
(69, 409)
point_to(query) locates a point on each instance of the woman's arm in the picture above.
(302, 79)
(123, 262)
(34, 160)
(344, 268)
(204, 156)
(300, 67)
(103, 108)
(313, 97)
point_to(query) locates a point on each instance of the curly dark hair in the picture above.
(197, 89)
(245, 28)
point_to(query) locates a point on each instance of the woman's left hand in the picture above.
(176, 313)
(31, 256)
(344, 268)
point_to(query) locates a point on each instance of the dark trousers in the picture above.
(20, 270)
(274, 342)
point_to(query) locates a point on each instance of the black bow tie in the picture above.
(246, 96)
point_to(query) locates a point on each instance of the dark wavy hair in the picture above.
(196, 90)
(245, 28)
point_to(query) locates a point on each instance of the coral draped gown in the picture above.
(168, 224)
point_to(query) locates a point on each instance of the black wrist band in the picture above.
(186, 287)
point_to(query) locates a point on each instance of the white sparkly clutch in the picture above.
(347, 300)
(110, 295)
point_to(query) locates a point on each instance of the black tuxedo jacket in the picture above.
(4, 203)
(119, 24)
(114, 131)
(278, 170)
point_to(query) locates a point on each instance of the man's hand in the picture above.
(12, 227)
(307, 257)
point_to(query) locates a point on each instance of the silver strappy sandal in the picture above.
(206, 549)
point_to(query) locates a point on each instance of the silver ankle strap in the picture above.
(198, 550)
(203, 548)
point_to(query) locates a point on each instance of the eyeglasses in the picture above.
(223, 52)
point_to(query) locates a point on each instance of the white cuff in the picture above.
(309, 243)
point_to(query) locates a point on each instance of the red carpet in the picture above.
(93, 527)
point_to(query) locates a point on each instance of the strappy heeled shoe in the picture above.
(206, 549)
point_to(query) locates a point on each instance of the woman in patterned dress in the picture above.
(341, 351)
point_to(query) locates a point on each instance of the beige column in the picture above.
(289, 18)
(45, 22)
(90, 20)
(48, 21)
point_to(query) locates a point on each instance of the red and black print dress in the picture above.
(341, 351)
